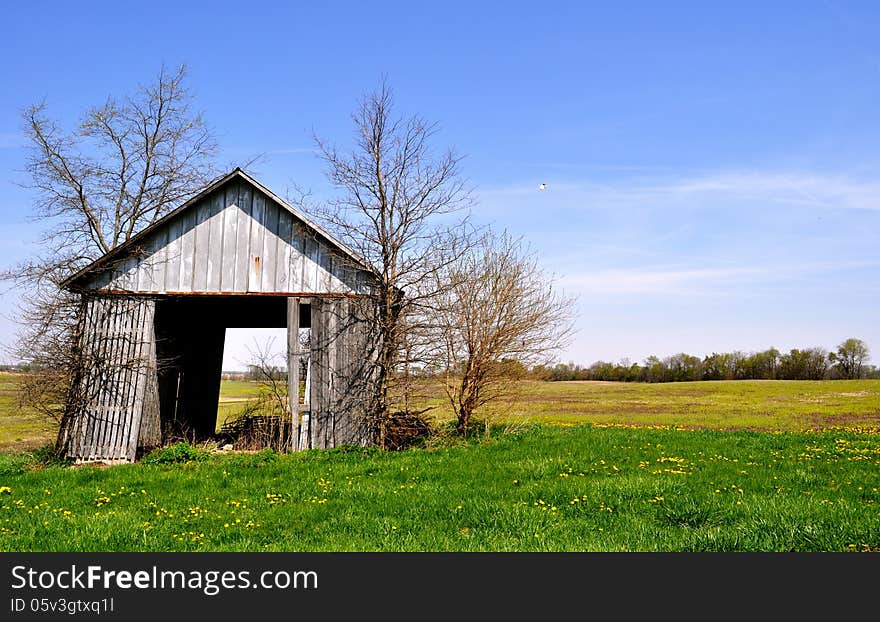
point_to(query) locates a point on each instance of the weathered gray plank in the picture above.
(158, 245)
(284, 251)
(270, 247)
(215, 251)
(230, 241)
(242, 256)
(324, 268)
(295, 264)
(310, 265)
(188, 250)
(111, 416)
(255, 268)
(203, 246)
(174, 255)
(127, 403)
(144, 271)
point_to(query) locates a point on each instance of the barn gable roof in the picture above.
(233, 236)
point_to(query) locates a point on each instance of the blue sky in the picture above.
(713, 172)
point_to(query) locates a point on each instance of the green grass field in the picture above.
(234, 395)
(718, 466)
(721, 405)
(546, 489)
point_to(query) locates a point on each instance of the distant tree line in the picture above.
(848, 361)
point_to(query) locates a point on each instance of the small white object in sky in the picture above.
(542, 187)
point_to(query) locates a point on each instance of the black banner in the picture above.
(237, 586)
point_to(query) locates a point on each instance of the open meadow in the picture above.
(709, 466)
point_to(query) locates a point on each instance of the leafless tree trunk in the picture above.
(394, 195)
(127, 163)
(501, 314)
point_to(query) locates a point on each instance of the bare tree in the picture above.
(128, 162)
(501, 314)
(392, 210)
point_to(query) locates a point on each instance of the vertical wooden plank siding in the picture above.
(118, 381)
(351, 370)
(235, 240)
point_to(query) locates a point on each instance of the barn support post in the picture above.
(293, 361)
(319, 381)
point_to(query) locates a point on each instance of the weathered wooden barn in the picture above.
(155, 310)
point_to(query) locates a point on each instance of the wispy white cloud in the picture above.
(714, 281)
(831, 191)
(742, 188)
(654, 281)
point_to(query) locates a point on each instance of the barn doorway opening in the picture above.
(190, 340)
